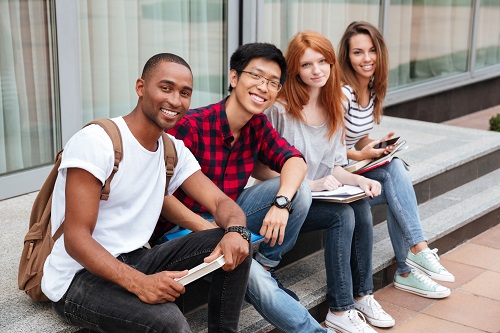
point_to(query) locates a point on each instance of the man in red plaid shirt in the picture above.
(230, 137)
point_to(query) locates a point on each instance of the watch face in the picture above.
(281, 201)
(248, 236)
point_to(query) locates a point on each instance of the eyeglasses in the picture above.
(273, 85)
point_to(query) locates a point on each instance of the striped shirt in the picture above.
(358, 120)
(205, 131)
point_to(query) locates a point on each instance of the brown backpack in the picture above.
(38, 242)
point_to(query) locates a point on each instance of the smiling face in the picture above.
(165, 93)
(363, 56)
(250, 95)
(314, 70)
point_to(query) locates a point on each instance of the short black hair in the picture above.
(247, 52)
(162, 57)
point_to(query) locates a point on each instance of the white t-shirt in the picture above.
(312, 141)
(358, 119)
(127, 219)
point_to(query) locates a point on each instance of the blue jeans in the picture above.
(348, 249)
(403, 219)
(276, 306)
(102, 306)
(256, 201)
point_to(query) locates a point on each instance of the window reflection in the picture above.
(117, 37)
(27, 96)
(427, 40)
(488, 34)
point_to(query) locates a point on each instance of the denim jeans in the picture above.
(102, 306)
(256, 201)
(403, 219)
(348, 249)
(276, 306)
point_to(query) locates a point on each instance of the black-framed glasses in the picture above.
(273, 85)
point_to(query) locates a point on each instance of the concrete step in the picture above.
(442, 157)
(460, 210)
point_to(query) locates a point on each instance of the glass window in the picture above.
(283, 19)
(488, 34)
(27, 87)
(117, 37)
(427, 39)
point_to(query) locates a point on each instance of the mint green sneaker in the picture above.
(420, 284)
(427, 261)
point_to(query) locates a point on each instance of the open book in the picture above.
(359, 167)
(201, 270)
(344, 194)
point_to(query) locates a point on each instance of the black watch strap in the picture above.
(281, 201)
(243, 231)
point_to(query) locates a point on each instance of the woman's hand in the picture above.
(369, 150)
(328, 183)
(371, 187)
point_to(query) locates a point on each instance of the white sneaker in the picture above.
(420, 284)
(352, 321)
(427, 261)
(373, 312)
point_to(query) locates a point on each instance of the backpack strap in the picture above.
(114, 133)
(170, 158)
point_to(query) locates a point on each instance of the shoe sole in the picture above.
(337, 328)
(332, 326)
(428, 294)
(431, 274)
(378, 323)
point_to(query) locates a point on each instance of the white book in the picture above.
(201, 270)
(343, 194)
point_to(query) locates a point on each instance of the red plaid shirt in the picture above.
(205, 131)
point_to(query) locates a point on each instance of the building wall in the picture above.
(65, 62)
(449, 104)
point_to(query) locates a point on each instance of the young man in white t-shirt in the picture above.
(99, 275)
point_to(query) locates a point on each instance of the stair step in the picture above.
(440, 216)
(450, 170)
(441, 157)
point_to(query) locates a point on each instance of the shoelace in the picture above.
(357, 318)
(373, 304)
(423, 278)
(433, 258)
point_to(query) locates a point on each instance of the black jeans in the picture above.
(102, 306)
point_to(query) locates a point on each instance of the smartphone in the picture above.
(384, 144)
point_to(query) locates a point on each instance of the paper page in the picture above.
(345, 190)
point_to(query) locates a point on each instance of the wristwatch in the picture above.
(243, 231)
(283, 202)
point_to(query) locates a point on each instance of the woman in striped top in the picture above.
(363, 60)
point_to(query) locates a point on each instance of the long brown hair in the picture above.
(295, 93)
(380, 78)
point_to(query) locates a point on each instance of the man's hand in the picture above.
(160, 287)
(274, 224)
(235, 249)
